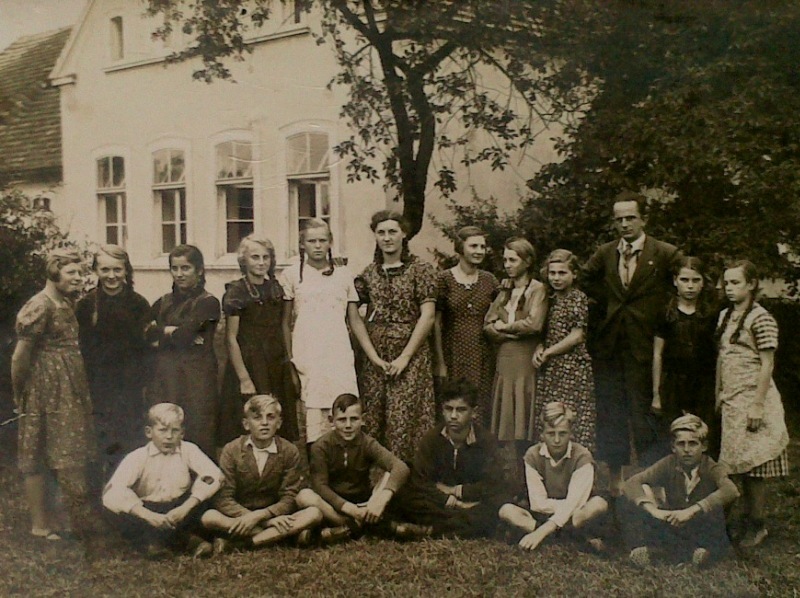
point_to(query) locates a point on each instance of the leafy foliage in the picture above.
(473, 80)
(27, 233)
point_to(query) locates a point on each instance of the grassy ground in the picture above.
(371, 567)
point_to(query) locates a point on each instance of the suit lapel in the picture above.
(644, 264)
(612, 265)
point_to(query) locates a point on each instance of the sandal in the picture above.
(45, 534)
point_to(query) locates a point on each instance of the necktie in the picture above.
(627, 254)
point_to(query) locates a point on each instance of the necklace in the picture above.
(252, 290)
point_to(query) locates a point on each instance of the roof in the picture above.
(30, 115)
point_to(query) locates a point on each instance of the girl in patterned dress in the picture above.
(320, 302)
(563, 363)
(400, 293)
(754, 435)
(465, 294)
(257, 357)
(51, 394)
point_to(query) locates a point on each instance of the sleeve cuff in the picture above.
(460, 491)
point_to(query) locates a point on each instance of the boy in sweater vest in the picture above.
(560, 475)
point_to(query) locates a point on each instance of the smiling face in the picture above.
(689, 284)
(560, 276)
(110, 274)
(316, 243)
(184, 274)
(689, 449)
(70, 280)
(474, 250)
(628, 221)
(257, 261)
(262, 424)
(348, 423)
(737, 289)
(166, 435)
(513, 264)
(389, 236)
(557, 438)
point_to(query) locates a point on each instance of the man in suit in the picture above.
(631, 278)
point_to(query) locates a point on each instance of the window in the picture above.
(117, 39)
(307, 157)
(235, 191)
(111, 198)
(169, 193)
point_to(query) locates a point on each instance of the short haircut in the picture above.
(561, 256)
(259, 403)
(689, 423)
(638, 198)
(163, 413)
(57, 259)
(460, 388)
(465, 233)
(556, 412)
(344, 401)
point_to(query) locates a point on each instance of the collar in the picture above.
(637, 245)
(271, 448)
(545, 452)
(339, 441)
(152, 450)
(471, 437)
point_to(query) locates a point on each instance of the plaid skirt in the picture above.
(774, 468)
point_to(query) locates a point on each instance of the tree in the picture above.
(696, 105)
(414, 72)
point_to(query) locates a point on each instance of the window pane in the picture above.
(111, 209)
(167, 206)
(319, 152)
(118, 171)
(103, 173)
(234, 160)
(296, 154)
(176, 166)
(324, 200)
(161, 167)
(167, 238)
(239, 203)
(306, 200)
(111, 235)
(236, 232)
(183, 233)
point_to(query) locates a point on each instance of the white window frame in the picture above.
(118, 195)
(226, 180)
(173, 188)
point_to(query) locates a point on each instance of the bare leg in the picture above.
(594, 507)
(304, 519)
(36, 493)
(308, 498)
(216, 521)
(518, 517)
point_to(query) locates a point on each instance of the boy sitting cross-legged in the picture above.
(157, 490)
(688, 521)
(341, 461)
(262, 487)
(560, 476)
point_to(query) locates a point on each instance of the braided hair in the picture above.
(309, 224)
(241, 254)
(750, 273)
(383, 216)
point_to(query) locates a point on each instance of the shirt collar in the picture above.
(637, 245)
(471, 438)
(272, 447)
(152, 450)
(545, 452)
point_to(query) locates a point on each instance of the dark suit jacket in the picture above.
(630, 313)
(244, 490)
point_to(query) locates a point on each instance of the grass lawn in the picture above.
(371, 567)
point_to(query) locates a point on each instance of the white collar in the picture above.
(637, 245)
(152, 450)
(470, 440)
(545, 452)
(272, 447)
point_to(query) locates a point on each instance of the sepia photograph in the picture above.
(399, 298)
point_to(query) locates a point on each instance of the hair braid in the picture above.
(331, 266)
(97, 292)
(302, 261)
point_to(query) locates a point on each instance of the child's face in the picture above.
(348, 423)
(737, 289)
(184, 274)
(513, 264)
(110, 274)
(457, 416)
(257, 260)
(689, 284)
(557, 438)
(688, 448)
(165, 435)
(262, 425)
(560, 276)
(70, 280)
(316, 243)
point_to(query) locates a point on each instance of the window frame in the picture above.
(161, 189)
(115, 192)
(235, 181)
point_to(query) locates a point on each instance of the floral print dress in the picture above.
(398, 411)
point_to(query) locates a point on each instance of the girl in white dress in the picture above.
(321, 301)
